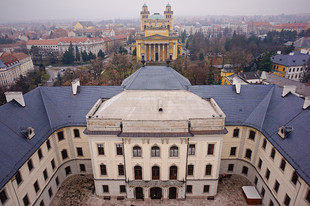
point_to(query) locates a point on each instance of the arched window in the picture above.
(173, 172)
(137, 151)
(155, 173)
(173, 151)
(138, 173)
(155, 151)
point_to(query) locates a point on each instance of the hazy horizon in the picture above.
(95, 10)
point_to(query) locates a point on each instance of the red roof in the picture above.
(121, 37)
(259, 24)
(106, 39)
(20, 56)
(7, 59)
(73, 40)
(42, 42)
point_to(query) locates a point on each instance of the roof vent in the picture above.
(160, 106)
(278, 52)
(292, 53)
(27, 131)
(287, 89)
(304, 51)
(306, 103)
(75, 83)
(280, 59)
(284, 131)
(18, 96)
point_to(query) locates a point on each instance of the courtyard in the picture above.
(79, 190)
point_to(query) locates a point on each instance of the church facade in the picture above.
(157, 41)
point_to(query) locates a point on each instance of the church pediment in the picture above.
(155, 37)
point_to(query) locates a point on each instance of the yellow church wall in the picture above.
(162, 32)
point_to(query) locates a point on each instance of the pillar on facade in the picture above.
(168, 51)
(163, 52)
(139, 54)
(154, 52)
(158, 52)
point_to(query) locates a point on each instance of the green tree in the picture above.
(134, 52)
(91, 55)
(201, 56)
(70, 49)
(265, 63)
(183, 36)
(101, 54)
(84, 56)
(67, 58)
(77, 54)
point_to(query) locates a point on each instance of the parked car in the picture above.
(62, 70)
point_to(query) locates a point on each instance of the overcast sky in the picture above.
(17, 10)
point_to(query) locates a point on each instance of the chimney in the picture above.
(27, 131)
(160, 106)
(18, 96)
(307, 102)
(278, 52)
(292, 53)
(237, 85)
(75, 83)
(287, 89)
(284, 131)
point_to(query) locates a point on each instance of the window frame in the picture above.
(248, 154)
(26, 200)
(122, 189)
(294, 176)
(173, 169)
(45, 174)
(208, 171)
(245, 170)
(119, 149)
(155, 170)
(236, 132)
(211, 148)
(264, 145)
(79, 152)
(121, 171)
(138, 169)
(105, 189)
(36, 186)
(100, 148)
(64, 154)
(76, 133)
(229, 169)
(276, 186)
(255, 180)
(252, 135)
(190, 171)
(18, 178)
(263, 192)
(82, 168)
(60, 136)
(206, 189)
(156, 150)
(282, 165)
(136, 151)
(174, 151)
(191, 149)
(4, 196)
(53, 164)
(287, 198)
(307, 197)
(68, 170)
(30, 165)
(48, 145)
(103, 170)
(272, 153)
(189, 189)
(267, 174)
(50, 192)
(233, 151)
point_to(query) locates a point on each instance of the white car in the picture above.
(50, 66)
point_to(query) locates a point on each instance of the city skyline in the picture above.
(34, 10)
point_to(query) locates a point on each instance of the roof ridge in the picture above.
(173, 72)
(138, 71)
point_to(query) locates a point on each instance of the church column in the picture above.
(154, 53)
(163, 52)
(158, 52)
(139, 54)
(173, 50)
(168, 51)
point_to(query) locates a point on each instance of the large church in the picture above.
(156, 136)
(157, 42)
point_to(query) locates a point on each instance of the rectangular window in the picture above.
(248, 153)
(42, 203)
(40, 154)
(30, 166)
(79, 151)
(18, 178)
(264, 144)
(233, 151)
(82, 168)
(260, 162)
(103, 170)
(276, 186)
(206, 188)
(252, 135)
(271, 203)
(48, 144)
(273, 153)
(57, 181)
(60, 136)
(76, 133)
(122, 189)
(287, 200)
(45, 174)
(105, 188)
(294, 178)
(282, 165)
(121, 170)
(100, 149)
(208, 169)
(189, 188)
(64, 154)
(68, 170)
(308, 197)
(236, 133)
(245, 170)
(267, 174)
(191, 149)
(119, 149)
(26, 200)
(230, 167)
(50, 192)
(255, 181)
(53, 164)
(263, 192)
(36, 186)
(190, 169)
(210, 149)
(3, 197)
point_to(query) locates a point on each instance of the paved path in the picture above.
(78, 190)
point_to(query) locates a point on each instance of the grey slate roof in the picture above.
(297, 59)
(86, 23)
(156, 78)
(262, 107)
(302, 43)
(1, 64)
(47, 109)
(301, 88)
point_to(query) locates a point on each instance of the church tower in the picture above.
(144, 15)
(169, 16)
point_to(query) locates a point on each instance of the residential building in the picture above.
(259, 27)
(302, 44)
(298, 27)
(291, 65)
(84, 25)
(25, 61)
(107, 32)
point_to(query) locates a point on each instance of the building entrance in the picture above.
(156, 193)
(139, 193)
(156, 56)
(172, 193)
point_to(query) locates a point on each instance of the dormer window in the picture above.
(284, 131)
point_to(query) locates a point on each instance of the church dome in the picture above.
(156, 16)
